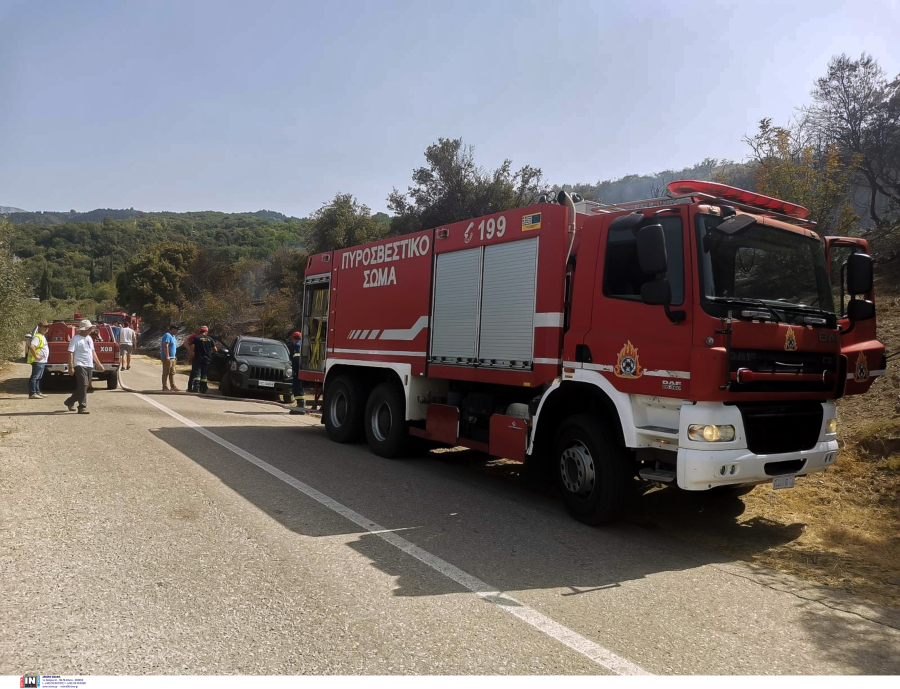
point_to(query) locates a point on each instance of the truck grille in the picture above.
(266, 373)
(777, 361)
(786, 427)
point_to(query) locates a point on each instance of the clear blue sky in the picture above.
(180, 105)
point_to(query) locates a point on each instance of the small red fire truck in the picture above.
(698, 340)
(58, 335)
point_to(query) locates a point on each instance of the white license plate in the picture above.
(271, 384)
(780, 482)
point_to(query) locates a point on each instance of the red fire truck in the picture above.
(58, 335)
(697, 340)
(119, 318)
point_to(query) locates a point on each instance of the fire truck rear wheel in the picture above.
(592, 470)
(112, 380)
(343, 412)
(385, 421)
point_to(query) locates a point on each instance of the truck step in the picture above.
(657, 475)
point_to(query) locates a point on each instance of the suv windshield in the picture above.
(778, 267)
(269, 350)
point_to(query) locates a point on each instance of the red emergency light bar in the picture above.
(686, 187)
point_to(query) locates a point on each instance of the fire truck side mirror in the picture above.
(860, 310)
(859, 274)
(657, 292)
(627, 222)
(651, 250)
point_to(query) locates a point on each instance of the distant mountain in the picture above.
(18, 216)
(10, 209)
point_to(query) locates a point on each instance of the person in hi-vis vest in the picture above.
(38, 351)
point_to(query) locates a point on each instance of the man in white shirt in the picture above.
(127, 338)
(82, 358)
(38, 351)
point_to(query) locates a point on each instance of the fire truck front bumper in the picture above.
(702, 469)
(729, 461)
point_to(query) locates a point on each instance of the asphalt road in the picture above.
(176, 534)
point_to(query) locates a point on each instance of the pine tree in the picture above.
(44, 287)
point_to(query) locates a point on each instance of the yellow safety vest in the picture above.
(42, 342)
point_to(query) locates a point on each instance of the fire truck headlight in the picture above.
(708, 433)
(831, 426)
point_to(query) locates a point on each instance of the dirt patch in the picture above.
(840, 529)
(11, 387)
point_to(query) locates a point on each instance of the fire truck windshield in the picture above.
(780, 268)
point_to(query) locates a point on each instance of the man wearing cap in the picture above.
(82, 357)
(296, 350)
(167, 347)
(202, 347)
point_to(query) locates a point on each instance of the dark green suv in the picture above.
(253, 364)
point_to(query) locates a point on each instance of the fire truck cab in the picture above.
(698, 340)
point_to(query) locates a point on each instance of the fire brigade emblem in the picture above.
(862, 369)
(790, 340)
(469, 233)
(628, 364)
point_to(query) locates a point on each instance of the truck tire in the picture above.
(287, 398)
(592, 471)
(343, 410)
(112, 380)
(385, 422)
(225, 385)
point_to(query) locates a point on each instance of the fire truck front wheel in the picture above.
(343, 413)
(385, 421)
(592, 471)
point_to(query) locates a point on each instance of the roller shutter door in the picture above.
(456, 290)
(507, 304)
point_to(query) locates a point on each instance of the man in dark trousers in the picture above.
(202, 349)
(296, 350)
(82, 357)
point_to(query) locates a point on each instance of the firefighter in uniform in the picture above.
(296, 350)
(202, 349)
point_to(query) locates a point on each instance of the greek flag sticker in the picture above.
(531, 222)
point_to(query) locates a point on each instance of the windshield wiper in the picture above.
(805, 307)
(748, 300)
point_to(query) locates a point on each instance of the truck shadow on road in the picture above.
(474, 513)
(461, 505)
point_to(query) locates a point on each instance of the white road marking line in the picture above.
(593, 651)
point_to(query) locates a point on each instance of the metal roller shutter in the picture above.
(456, 289)
(507, 304)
